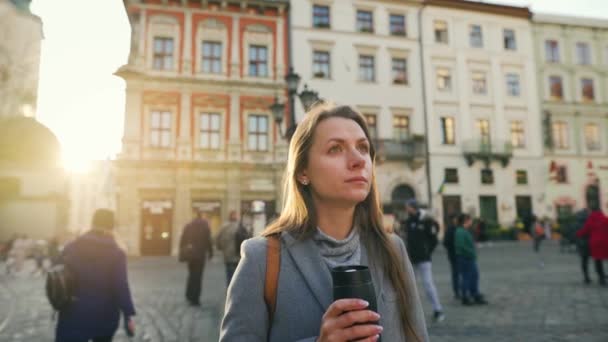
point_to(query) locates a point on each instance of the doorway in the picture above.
(487, 209)
(451, 205)
(156, 228)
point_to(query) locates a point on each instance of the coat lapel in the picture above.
(376, 272)
(310, 264)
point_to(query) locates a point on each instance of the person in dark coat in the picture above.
(596, 228)
(421, 239)
(448, 243)
(99, 267)
(196, 246)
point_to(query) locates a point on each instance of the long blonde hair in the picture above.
(299, 216)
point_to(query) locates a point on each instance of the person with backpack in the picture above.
(420, 233)
(229, 240)
(196, 246)
(282, 288)
(99, 290)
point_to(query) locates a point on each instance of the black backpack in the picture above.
(241, 235)
(60, 287)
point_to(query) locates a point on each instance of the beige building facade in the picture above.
(572, 61)
(198, 131)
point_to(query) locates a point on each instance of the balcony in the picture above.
(487, 151)
(411, 150)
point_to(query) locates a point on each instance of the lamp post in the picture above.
(308, 97)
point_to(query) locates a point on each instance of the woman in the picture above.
(102, 289)
(331, 217)
(596, 229)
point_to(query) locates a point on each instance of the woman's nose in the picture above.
(356, 159)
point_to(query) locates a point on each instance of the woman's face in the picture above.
(339, 163)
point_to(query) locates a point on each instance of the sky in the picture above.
(86, 41)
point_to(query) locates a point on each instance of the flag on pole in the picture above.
(441, 187)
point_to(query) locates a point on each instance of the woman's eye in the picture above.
(335, 149)
(364, 148)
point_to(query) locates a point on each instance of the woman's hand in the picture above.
(130, 327)
(338, 324)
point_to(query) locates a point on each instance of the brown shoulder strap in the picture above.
(273, 260)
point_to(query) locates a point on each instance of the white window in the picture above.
(257, 132)
(518, 134)
(399, 71)
(365, 21)
(587, 91)
(401, 127)
(509, 39)
(397, 25)
(212, 57)
(560, 135)
(160, 129)
(476, 36)
(583, 53)
(448, 130)
(483, 128)
(551, 51)
(209, 131)
(163, 53)
(321, 64)
(513, 84)
(258, 61)
(320, 16)
(444, 79)
(592, 136)
(479, 82)
(555, 88)
(367, 69)
(441, 31)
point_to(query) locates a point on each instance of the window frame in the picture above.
(587, 93)
(509, 40)
(552, 53)
(323, 20)
(161, 131)
(450, 175)
(513, 83)
(401, 29)
(363, 23)
(446, 79)
(583, 53)
(213, 60)
(210, 131)
(561, 140)
(395, 71)
(319, 63)
(595, 143)
(476, 36)
(372, 124)
(254, 64)
(367, 67)
(165, 56)
(448, 131)
(441, 32)
(521, 177)
(258, 133)
(401, 127)
(479, 85)
(517, 133)
(552, 95)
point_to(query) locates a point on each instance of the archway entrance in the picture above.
(399, 196)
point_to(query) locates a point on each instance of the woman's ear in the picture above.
(303, 178)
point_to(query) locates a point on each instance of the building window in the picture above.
(509, 39)
(555, 87)
(551, 51)
(483, 127)
(367, 70)
(513, 85)
(587, 89)
(476, 36)
(399, 71)
(320, 16)
(448, 130)
(518, 134)
(209, 131)
(372, 125)
(444, 79)
(441, 31)
(521, 177)
(487, 176)
(163, 53)
(321, 64)
(258, 61)
(257, 133)
(401, 127)
(397, 25)
(212, 57)
(583, 53)
(365, 21)
(592, 137)
(560, 135)
(450, 175)
(561, 174)
(160, 129)
(479, 83)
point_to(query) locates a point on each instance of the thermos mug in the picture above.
(354, 282)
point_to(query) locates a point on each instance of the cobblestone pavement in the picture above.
(527, 302)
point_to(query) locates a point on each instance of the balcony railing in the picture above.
(410, 149)
(487, 150)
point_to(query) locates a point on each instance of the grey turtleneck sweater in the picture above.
(339, 252)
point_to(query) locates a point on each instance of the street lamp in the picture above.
(308, 98)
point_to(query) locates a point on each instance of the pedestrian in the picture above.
(582, 242)
(448, 243)
(467, 261)
(226, 241)
(99, 268)
(596, 228)
(420, 232)
(537, 232)
(196, 247)
(331, 217)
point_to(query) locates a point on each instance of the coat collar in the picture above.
(305, 255)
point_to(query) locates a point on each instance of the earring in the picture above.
(304, 182)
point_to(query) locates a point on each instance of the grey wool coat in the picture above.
(304, 293)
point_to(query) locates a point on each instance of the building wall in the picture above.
(160, 185)
(380, 97)
(20, 37)
(465, 106)
(583, 163)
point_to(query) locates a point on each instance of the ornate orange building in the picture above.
(198, 133)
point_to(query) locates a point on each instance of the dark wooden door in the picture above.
(156, 230)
